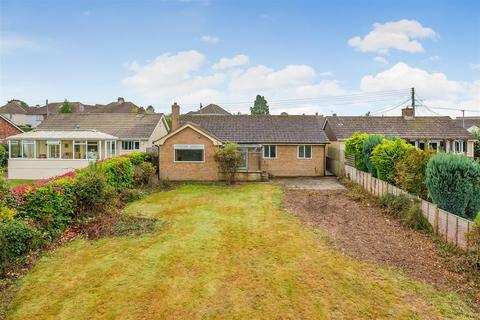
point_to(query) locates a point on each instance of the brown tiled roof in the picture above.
(54, 106)
(121, 125)
(469, 122)
(211, 109)
(417, 128)
(115, 107)
(13, 107)
(262, 129)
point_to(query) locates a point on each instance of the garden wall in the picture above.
(450, 226)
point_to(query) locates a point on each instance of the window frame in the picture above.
(133, 143)
(269, 151)
(460, 143)
(304, 153)
(188, 147)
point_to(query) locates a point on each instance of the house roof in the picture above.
(417, 128)
(118, 107)
(71, 134)
(10, 122)
(13, 107)
(121, 125)
(211, 109)
(469, 122)
(53, 107)
(273, 129)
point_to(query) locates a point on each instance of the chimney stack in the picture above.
(408, 113)
(120, 100)
(175, 116)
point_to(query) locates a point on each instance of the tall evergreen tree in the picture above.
(260, 106)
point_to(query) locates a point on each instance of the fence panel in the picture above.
(449, 225)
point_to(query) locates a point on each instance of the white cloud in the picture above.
(10, 43)
(236, 61)
(380, 59)
(210, 39)
(474, 66)
(326, 74)
(400, 35)
(171, 77)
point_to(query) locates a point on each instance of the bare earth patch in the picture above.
(365, 231)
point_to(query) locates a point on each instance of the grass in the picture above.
(223, 252)
(13, 183)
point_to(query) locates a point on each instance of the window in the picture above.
(131, 145)
(53, 149)
(110, 149)
(189, 152)
(39, 117)
(433, 145)
(270, 151)
(28, 149)
(304, 152)
(79, 149)
(92, 150)
(244, 152)
(458, 146)
(15, 147)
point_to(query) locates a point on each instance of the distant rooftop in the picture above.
(211, 109)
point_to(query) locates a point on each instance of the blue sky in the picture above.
(302, 55)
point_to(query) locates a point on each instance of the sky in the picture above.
(344, 57)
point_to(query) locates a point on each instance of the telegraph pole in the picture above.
(413, 101)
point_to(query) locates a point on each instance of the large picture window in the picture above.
(270, 151)
(189, 152)
(131, 145)
(28, 149)
(15, 149)
(305, 152)
(53, 149)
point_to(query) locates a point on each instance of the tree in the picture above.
(229, 159)
(260, 106)
(22, 103)
(410, 172)
(368, 145)
(354, 147)
(65, 108)
(386, 155)
(150, 110)
(284, 113)
(476, 144)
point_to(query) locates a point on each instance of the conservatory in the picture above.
(45, 154)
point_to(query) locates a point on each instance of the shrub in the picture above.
(17, 238)
(50, 207)
(7, 213)
(138, 157)
(144, 172)
(407, 210)
(410, 172)
(92, 189)
(395, 205)
(368, 145)
(354, 147)
(118, 172)
(130, 195)
(453, 182)
(386, 155)
(473, 241)
(229, 159)
(3, 156)
(6, 193)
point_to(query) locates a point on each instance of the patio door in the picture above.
(53, 149)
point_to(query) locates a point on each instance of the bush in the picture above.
(410, 172)
(386, 155)
(144, 172)
(50, 207)
(368, 145)
(6, 194)
(3, 156)
(92, 189)
(17, 238)
(138, 157)
(453, 182)
(473, 241)
(118, 172)
(229, 159)
(130, 195)
(354, 147)
(407, 210)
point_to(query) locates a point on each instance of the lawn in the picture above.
(13, 183)
(222, 253)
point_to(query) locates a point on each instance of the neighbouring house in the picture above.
(437, 133)
(39, 114)
(469, 123)
(119, 106)
(7, 129)
(211, 109)
(17, 113)
(282, 146)
(64, 142)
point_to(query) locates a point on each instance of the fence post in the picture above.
(435, 221)
(456, 231)
(428, 211)
(446, 228)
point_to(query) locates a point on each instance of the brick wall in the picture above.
(7, 130)
(205, 171)
(287, 165)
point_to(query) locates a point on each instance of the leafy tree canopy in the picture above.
(23, 103)
(65, 108)
(260, 106)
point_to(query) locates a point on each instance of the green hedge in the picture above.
(386, 155)
(354, 147)
(368, 146)
(410, 172)
(453, 182)
(118, 172)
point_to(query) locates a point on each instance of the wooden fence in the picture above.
(450, 226)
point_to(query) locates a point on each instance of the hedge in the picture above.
(354, 147)
(386, 155)
(368, 146)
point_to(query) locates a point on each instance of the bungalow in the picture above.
(469, 123)
(270, 145)
(211, 109)
(18, 113)
(7, 129)
(64, 142)
(437, 133)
